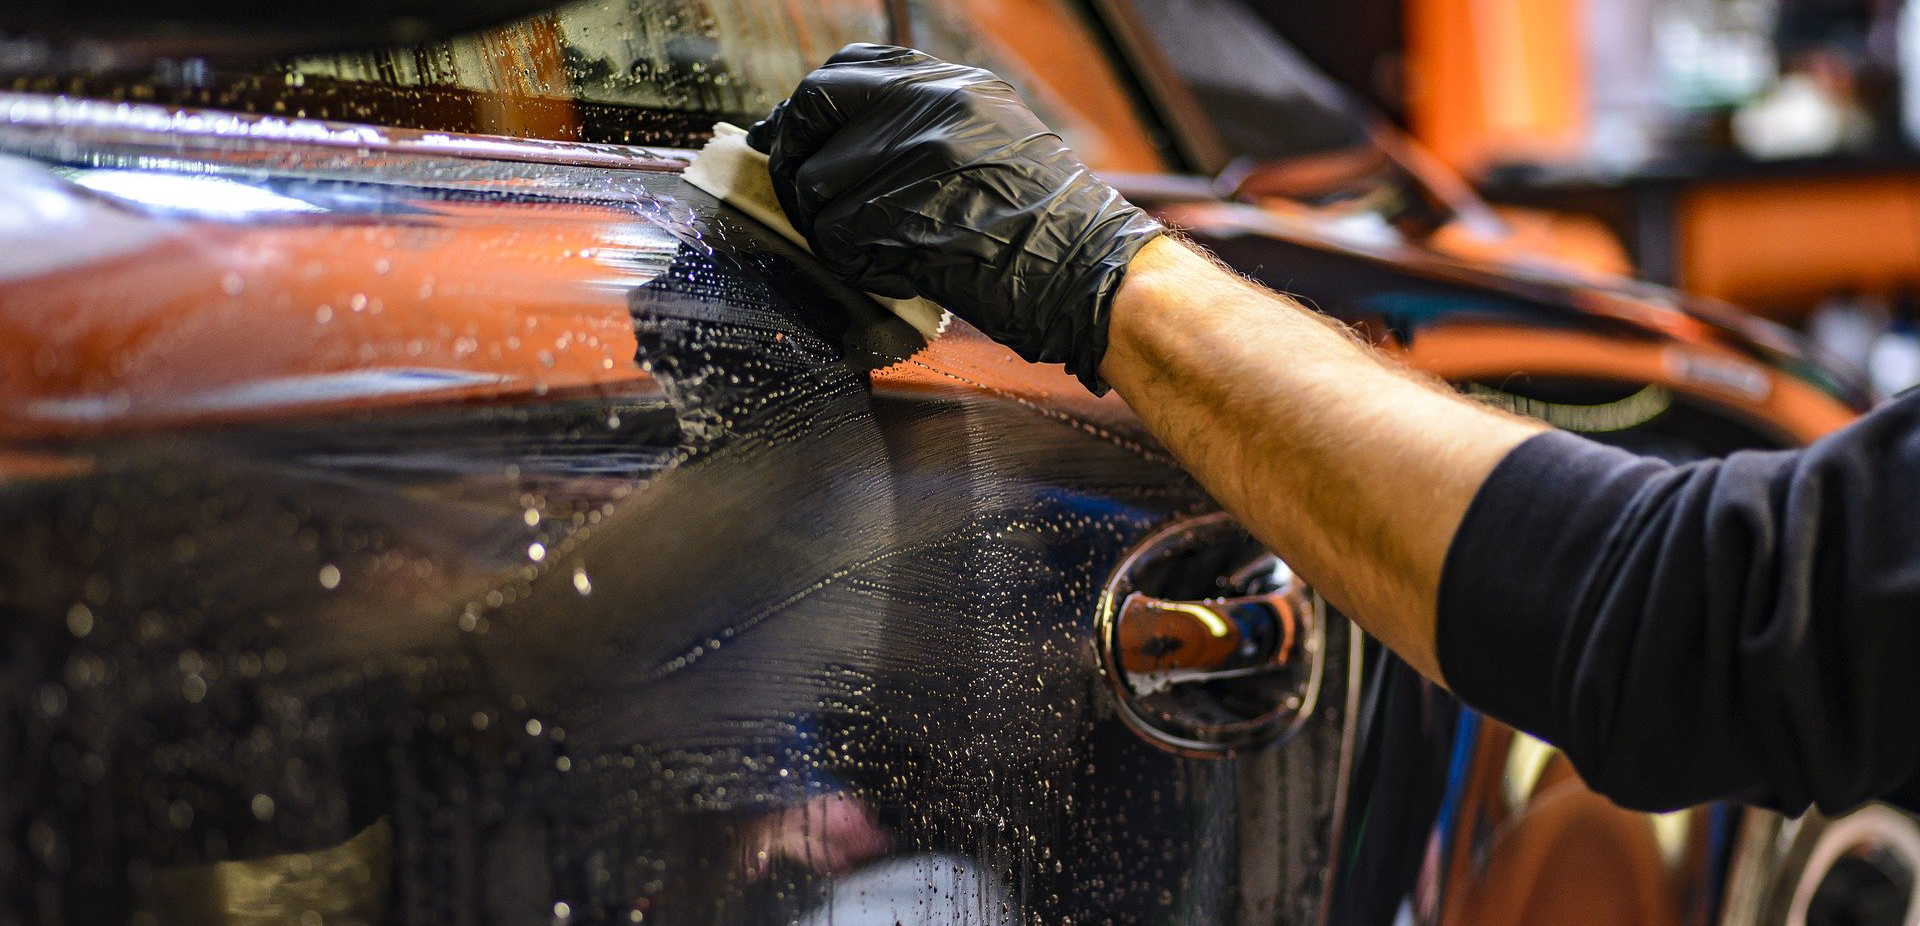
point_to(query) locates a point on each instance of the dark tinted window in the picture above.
(1253, 110)
(1265, 100)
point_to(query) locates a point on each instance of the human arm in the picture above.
(1743, 627)
(1353, 469)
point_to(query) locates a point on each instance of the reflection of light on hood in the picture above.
(46, 226)
(345, 385)
(632, 254)
(197, 195)
(30, 210)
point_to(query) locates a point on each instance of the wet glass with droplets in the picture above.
(655, 72)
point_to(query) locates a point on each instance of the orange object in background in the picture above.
(1527, 816)
(1540, 237)
(1778, 247)
(1506, 82)
(1776, 240)
(1495, 80)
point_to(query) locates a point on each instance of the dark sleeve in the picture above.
(1742, 628)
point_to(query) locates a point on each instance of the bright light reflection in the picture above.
(214, 196)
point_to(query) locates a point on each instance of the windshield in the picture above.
(628, 71)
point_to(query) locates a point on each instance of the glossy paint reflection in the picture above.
(141, 268)
(725, 600)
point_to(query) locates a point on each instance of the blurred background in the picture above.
(1760, 152)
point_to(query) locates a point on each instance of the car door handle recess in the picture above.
(1210, 644)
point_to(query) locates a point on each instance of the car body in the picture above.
(417, 525)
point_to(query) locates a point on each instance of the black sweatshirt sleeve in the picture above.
(1743, 628)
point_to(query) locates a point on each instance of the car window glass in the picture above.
(1264, 98)
(1289, 135)
(1047, 50)
(629, 71)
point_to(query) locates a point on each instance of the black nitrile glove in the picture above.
(912, 176)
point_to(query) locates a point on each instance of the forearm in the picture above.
(1353, 470)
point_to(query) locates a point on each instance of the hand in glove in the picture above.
(912, 176)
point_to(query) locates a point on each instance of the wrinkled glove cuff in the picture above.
(1090, 346)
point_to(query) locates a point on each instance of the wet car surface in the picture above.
(416, 526)
(584, 552)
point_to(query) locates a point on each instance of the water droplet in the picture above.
(323, 314)
(532, 517)
(534, 728)
(232, 284)
(536, 551)
(80, 620)
(581, 583)
(329, 576)
(53, 700)
(262, 807)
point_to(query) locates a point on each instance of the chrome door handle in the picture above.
(1179, 641)
(1204, 674)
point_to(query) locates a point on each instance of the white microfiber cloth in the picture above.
(736, 174)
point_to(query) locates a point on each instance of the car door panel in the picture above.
(751, 607)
